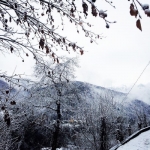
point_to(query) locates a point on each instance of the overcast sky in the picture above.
(117, 60)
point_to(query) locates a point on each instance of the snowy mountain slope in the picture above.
(3, 84)
(93, 94)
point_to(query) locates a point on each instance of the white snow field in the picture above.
(141, 142)
(70, 147)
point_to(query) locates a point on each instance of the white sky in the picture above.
(116, 60)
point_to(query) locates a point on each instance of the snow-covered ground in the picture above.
(141, 142)
(50, 148)
(69, 147)
(57, 149)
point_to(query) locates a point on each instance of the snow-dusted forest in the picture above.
(64, 113)
(47, 101)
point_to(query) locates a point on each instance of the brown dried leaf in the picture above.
(85, 8)
(72, 10)
(25, 16)
(47, 49)
(15, 5)
(80, 23)
(42, 31)
(11, 49)
(3, 107)
(133, 12)
(7, 91)
(13, 103)
(138, 24)
(41, 43)
(57, 60)
(81, 51)
(64, 40)
(53, 55)
(94, 11)
(147, 12)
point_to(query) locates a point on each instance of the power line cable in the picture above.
(136, 81)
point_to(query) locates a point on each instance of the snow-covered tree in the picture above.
(56, 93)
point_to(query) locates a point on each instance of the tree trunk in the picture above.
(103, 145)
(57, 128)
(144, 121)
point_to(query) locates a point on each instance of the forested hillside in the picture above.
(89, 117)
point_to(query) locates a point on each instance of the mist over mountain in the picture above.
(140, 92)
(92, 94)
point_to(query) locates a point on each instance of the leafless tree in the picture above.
(99, 127)
(55, 92)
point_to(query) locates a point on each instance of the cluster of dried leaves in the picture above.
(134, 12)
(22, 24)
